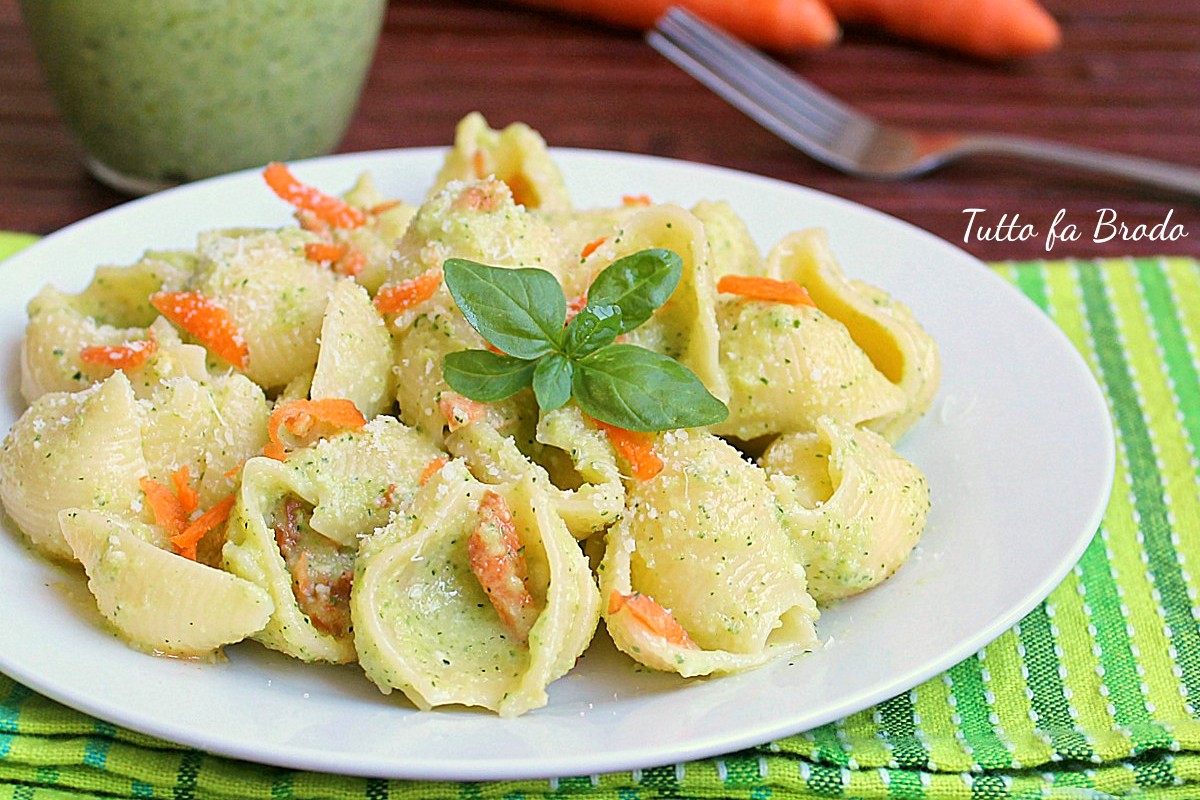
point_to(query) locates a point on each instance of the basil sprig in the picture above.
(523, 313)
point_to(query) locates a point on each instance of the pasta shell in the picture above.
(704, 540)
(313, 508)
(885, 330)
(275, 296)
(77, 450)
(424, 625)
(160, 602)
(356, 352)
(789, 365)
(516, 155)
(685, 327)
(854, 506)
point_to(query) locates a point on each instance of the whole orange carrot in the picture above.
(987, 28)
(774, 24)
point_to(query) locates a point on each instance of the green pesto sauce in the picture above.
(176, 90)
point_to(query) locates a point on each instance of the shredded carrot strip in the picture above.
(309, 420)
(575, 305)
(208, 322)
(431, 469)
(353, 263)
(312, 223)
(459, 410)
(384, 207)
(232, 473)
(187, 539)
(479, 164)
(497, 559)
(335, 211)
(130, 355)
(406, 294)
(652, 616)
(168, 512)
(592, 246)
(189, 498)
(635, 447)
(635, 199)
(324, 251)
(767, 289)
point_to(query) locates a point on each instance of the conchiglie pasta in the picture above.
(476, 220)
(516, 155)
(295, 529)
(158, 601)
(356, 353)
(274, 295)
(787, 365)
(685, 327)
(424, 624)
(732, 249)
(113, 310)
(387, 220)
(209, 428)
(421, 390)
(574, 460)
(73, 450)
(453, 547)
(853, 505)
(885, 330)
(704, 542)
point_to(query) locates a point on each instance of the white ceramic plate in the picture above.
(1018, 450)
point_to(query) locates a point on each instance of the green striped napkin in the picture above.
(1090, 695)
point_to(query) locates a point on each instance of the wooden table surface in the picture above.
(1127, 78)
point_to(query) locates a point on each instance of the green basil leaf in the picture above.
(641, 390)
(520, 311)
(637, 284)
(592, 328)
(486, 376)
(552, 381)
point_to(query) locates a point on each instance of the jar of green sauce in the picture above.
(160, 92)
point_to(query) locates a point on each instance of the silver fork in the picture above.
(835, 134)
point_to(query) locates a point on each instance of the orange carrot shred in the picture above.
(635, 447)
(168, 512)
(652, 616)
(479, 164)
(459, 410)
(592, 246)
(406, 294)
(309, 420)
(187, 539)
(384, 207)
(208, 322)
(353, 263)
(767, 289)
(335, 211)
(324, 251)
(575, 305)
(130, 355)
(189, 498)
(431, 469)
(497, 558)
(312, 223)
(635, 199)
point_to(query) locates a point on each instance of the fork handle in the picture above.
(1174, 177)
